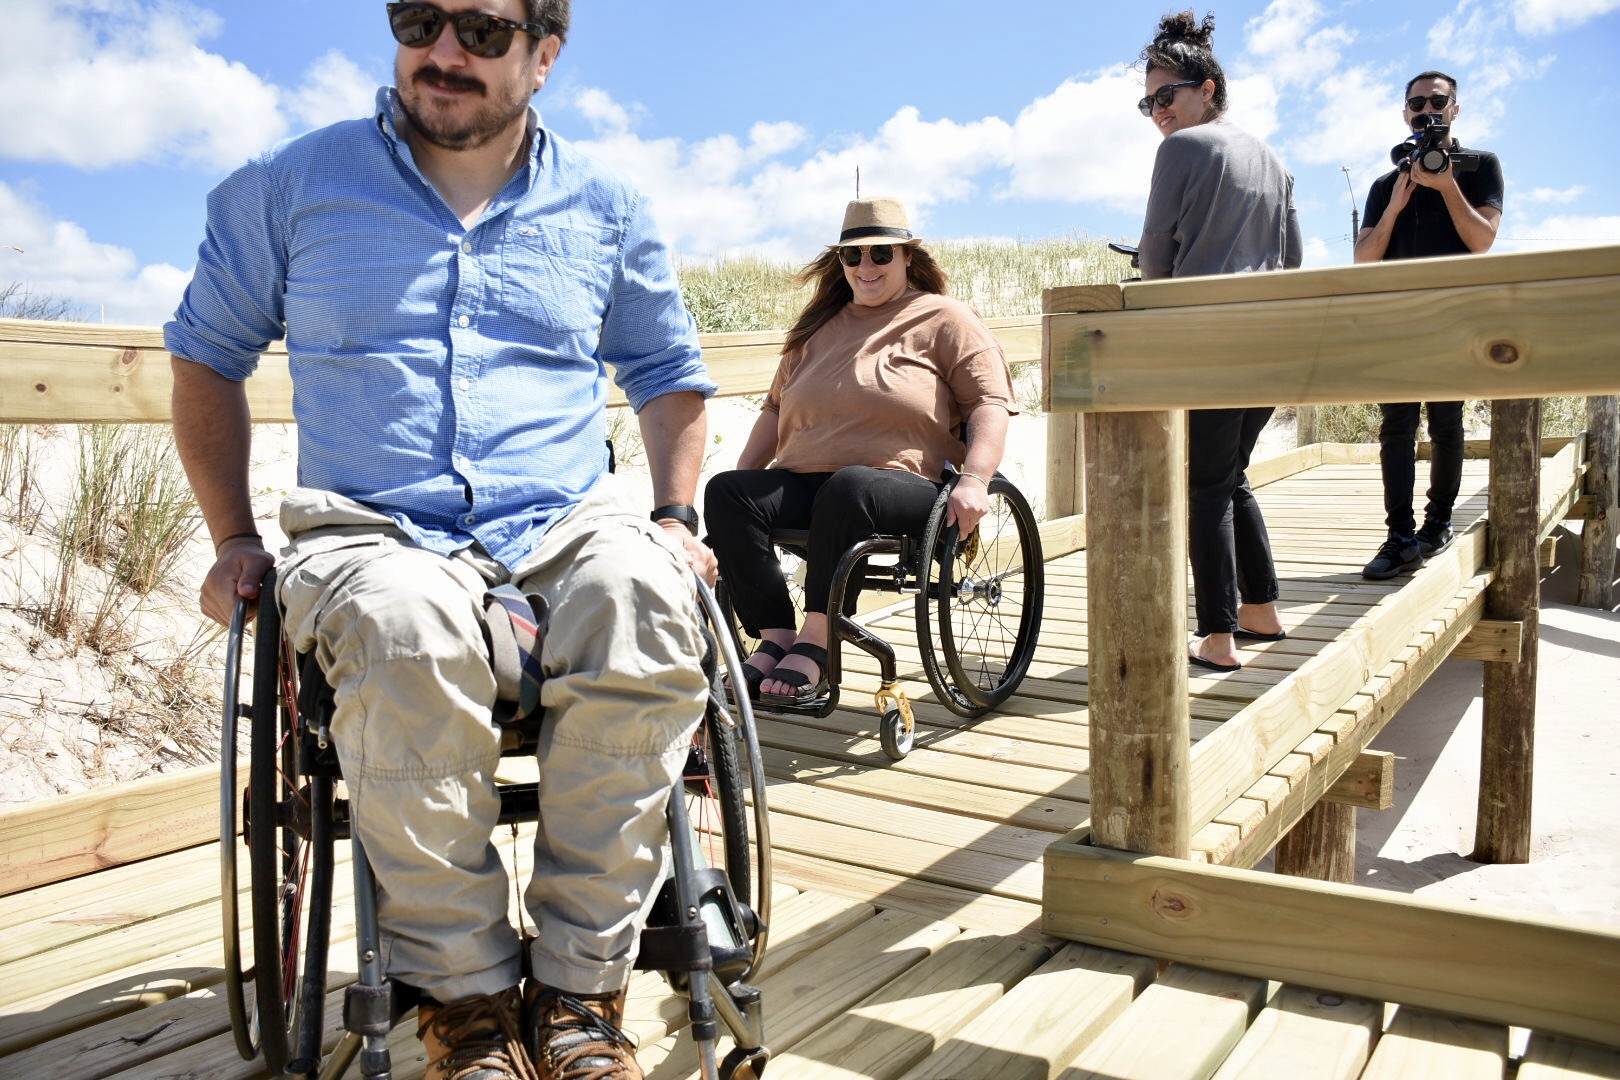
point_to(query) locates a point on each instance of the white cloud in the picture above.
(130, 81)
(1084, 142)
(334, 88)
(1561, 231)
(1285, 41)
(1561, 196)
(1547, 16)
(60, 260)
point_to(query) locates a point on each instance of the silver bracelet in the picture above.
(976, 476)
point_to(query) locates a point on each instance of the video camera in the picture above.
(1429, 147)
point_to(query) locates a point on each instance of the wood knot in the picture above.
(41, 388)
(128, 357)
(1504, 352)
(1169, 905)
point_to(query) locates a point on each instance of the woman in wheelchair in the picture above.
(884, 384)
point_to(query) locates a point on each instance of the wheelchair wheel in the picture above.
(979, 611)
(288, 831)
(714, 796)
(725, 782)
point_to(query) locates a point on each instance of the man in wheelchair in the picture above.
(452, 281)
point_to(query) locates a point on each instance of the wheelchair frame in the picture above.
(971, 657)
(710, 922)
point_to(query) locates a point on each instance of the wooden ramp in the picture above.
(907, 939)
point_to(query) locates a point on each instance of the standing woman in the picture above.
(1221, 203)
(884, 382)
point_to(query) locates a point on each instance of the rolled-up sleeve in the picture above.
(232, 309)
(648, 336)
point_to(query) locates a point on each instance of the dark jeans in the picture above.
(840, 509)
(1397, 456)
(1226, 533)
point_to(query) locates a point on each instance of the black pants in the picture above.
(1226, 533)
(840, 509)
(1397, 457)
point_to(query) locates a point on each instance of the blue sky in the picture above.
(747, 121)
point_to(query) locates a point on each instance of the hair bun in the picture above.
(1185, 27)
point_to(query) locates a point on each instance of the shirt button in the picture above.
(467, 247)
(466, 383)
(469, 519)
(463, 321)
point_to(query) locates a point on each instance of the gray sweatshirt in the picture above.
(1221, 203)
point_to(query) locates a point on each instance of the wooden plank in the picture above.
(904, 1020)
(1180, 1028)
(1498, 640)
(1549, 1057)
(59, 372)
(75, 834)
(1423, 1044)
(1502, 968)
(1452, 272)
(1541, 338)
(1041, 1024)
(824, 985)
(1303, 1032)
(1233, 758)
(1369, 782)
(897, 892)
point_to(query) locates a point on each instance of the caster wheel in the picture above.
(743, 1064)
(897, 741)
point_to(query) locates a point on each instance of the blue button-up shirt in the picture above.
(452, 378)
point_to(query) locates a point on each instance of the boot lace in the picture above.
(576, 1043)
(483, 1039)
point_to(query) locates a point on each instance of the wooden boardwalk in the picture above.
(906, 938)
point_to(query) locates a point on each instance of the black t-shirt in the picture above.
(1424, 227)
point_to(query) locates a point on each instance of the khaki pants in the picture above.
(397, 629)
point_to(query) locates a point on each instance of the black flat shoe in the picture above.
(805, 692)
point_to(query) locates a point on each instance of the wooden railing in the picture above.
(1512, 328)
(54, 372)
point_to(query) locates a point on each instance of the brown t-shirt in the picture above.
(887, 386)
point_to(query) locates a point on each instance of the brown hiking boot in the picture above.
(575, 1037)
(478, 1037)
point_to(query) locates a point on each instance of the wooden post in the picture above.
(1602, 480)
(1321, 845)
(1065, 462)
(1304, 425)
(1507, 754)
(1136, 618)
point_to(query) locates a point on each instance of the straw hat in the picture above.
(875, 221)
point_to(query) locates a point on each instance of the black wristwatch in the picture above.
(686, 515)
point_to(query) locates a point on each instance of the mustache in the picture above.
(433, 76)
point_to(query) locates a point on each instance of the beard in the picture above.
(451, 128)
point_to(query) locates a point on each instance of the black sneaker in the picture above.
(1433, 538)
(1398, 556)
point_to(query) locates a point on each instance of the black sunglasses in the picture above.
(417, 26)
(1439, 101)
(850, 255)
(1163, 96)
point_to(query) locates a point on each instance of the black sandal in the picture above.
(752, 675)
(806, 693)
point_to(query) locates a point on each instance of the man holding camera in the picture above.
(1440, 199)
